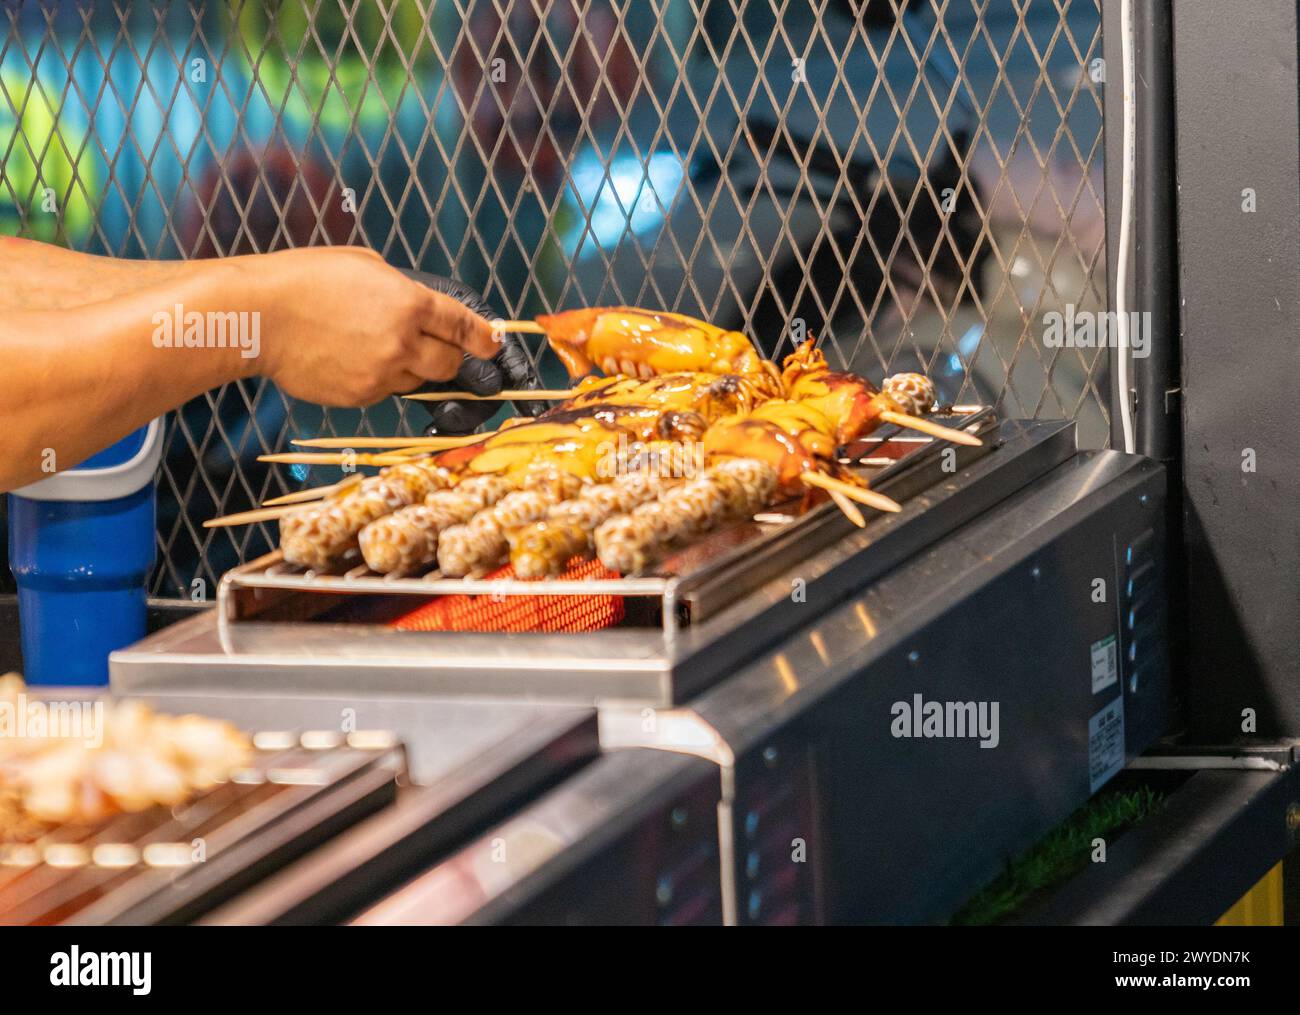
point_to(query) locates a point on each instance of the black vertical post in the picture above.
(1237, 96)
(1153, 273)
(1152, 285)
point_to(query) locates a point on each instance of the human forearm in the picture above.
(40, 276)
(334, 326)
(75, 380)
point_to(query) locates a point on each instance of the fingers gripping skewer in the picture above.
(527, 327)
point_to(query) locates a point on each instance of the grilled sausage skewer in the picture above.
(797, 440)
(541, 549)
(480, 543)
(315, 536)
(407, 539)
(732, 489)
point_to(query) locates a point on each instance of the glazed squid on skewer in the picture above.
(705, 394)
(644, 343)
(854, 405)
(797, 440)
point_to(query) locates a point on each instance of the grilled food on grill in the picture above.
(913, 392)
(639, 422)
(528, 455)
(732, 489)
(316, 535)
(851, 402)
(792, 437)
(543, 548)
(574, 444)
(706, 394)
(683, 392)
(407, 539)
(643, 343)
(131, 759)
(481, 543)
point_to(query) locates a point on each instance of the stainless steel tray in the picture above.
(649, 666)
(690, 585)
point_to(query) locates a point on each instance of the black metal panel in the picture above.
(1217, 835)
(1001, 612)
(1236, 98)
(1156, 379)
(630, 839)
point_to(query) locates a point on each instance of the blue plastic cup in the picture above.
(81, 546)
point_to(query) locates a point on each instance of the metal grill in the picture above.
(917, 183)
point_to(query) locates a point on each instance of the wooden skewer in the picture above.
(529, 327)
(262, 514)
(523, 395)
(946, 433)
(860, 494)
(329, 458)
(850, 509)
(425, 443)
(312, 493)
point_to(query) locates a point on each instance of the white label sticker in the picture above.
(1106, 743)
(1105, 663)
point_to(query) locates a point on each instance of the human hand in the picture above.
(511, 368)
(340, 327)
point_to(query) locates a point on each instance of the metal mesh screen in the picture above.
(917, 184)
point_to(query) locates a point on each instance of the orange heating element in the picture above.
(518, 613)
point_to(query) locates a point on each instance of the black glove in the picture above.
(509, 369)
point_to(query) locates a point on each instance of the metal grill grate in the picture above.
(916, 183)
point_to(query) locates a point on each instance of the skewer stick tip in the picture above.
(264, 514)
(925, 426)
(850, 509)
(856, 493)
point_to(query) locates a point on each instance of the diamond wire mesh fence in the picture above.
(915, 183)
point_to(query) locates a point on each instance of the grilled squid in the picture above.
(732, 489)
(792, 437)
(643, 343)
(851, 402)
(574, 442)
(707, 395)
(407, 539)
(316, 536)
